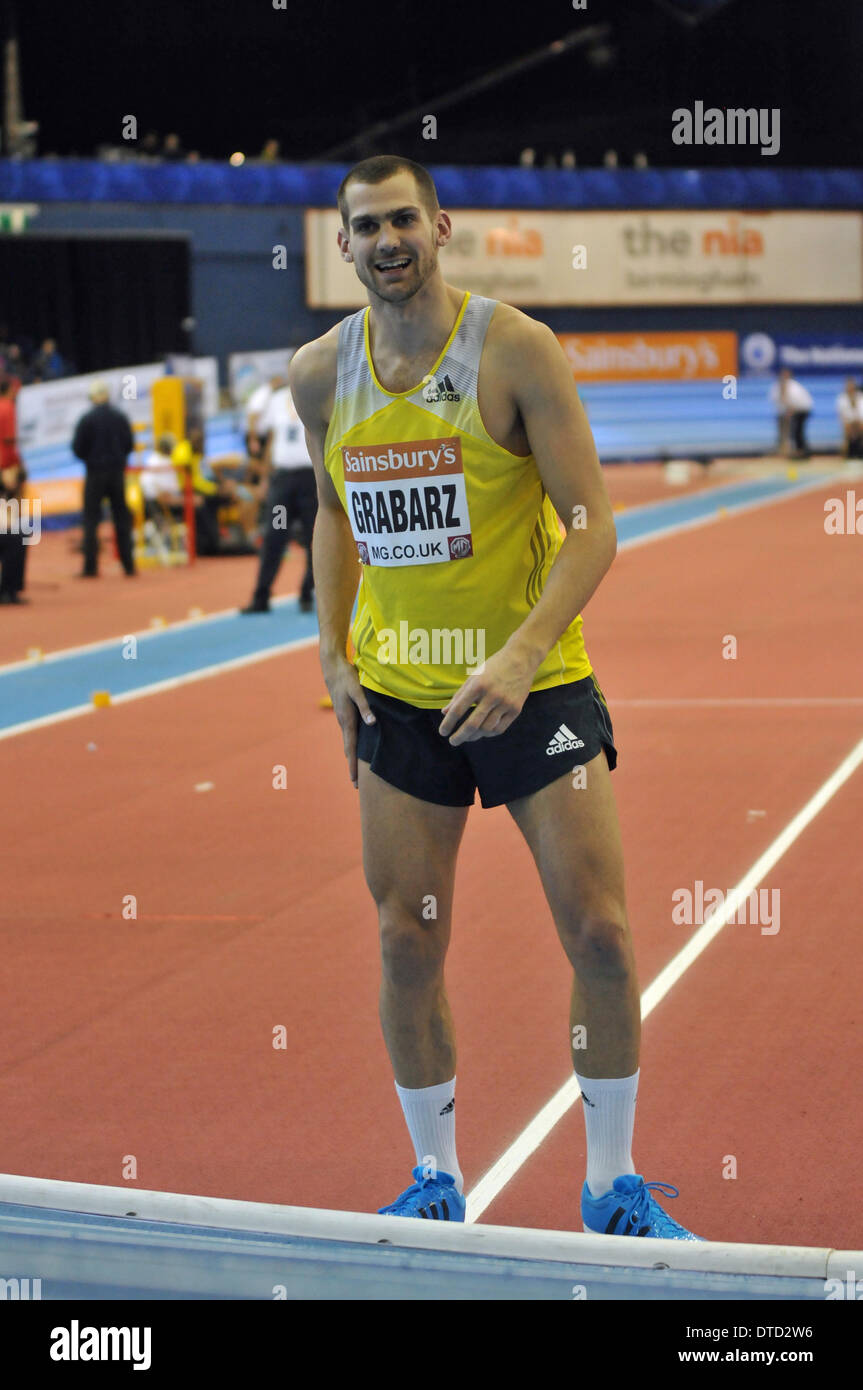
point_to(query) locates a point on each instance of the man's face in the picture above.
(390, 237)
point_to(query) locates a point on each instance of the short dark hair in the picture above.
(381, 167)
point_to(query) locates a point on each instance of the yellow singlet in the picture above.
(455, 535)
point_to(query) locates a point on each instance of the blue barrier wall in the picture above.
(315, 185)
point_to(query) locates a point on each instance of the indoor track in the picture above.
(144, 1043)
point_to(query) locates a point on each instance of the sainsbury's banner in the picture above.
(650, 356)
(629, 258)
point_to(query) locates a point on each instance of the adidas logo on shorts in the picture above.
(564, 740)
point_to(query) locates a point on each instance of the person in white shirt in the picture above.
(158, 477)
(291, 496)
(849, 404)
(793, 406)
(255, 407)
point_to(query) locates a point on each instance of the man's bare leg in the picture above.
(574, 836)
(409, 856)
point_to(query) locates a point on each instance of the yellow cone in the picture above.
(325, 702)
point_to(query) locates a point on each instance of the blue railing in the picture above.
(315, 185)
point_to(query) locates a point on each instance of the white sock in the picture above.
(609, 1119)
(430, 1116)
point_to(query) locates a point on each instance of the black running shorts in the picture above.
(557, 730)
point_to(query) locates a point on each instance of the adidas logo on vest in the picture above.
(564, 740)
(442, 390)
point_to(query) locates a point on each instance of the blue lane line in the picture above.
(47, 688)
(656, 516)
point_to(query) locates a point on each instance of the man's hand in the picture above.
(348, 697)
(499, 690)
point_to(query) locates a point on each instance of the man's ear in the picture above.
(443, 228)
(345, 246)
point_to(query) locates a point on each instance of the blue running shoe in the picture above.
(630, 1209)
(435, 1199)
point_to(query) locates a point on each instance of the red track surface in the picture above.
(153, 1037)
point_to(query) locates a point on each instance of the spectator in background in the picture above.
(212, 491)
(291, 496)
(849, 404)
(13, 552)
(271, 153)
(158, 479)
(793, 407)
(103, 441)
(255, 407)
(149, 146)
(172, 150)
(14, 366)
(48, 363)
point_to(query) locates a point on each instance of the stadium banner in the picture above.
(650, 356)
(48, 412)
(249, 370)
(624, 258)
(833, 354)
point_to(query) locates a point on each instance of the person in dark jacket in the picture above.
(103, 441)
(13, 551)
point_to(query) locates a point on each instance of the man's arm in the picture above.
(312, 373)
(561, 441)
(527, 360)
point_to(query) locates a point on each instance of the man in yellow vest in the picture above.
(447, 438)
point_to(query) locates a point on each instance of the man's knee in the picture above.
(597, 943)
(413, 945)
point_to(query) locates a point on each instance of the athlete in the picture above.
(447, 438)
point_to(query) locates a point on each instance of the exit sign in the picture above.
(15, 217)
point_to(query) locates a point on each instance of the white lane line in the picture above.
(172, 683)
(506, 1167)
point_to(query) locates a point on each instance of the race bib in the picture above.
(407, 503)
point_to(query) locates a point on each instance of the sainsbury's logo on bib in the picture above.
(407, 502)
(421, 457)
